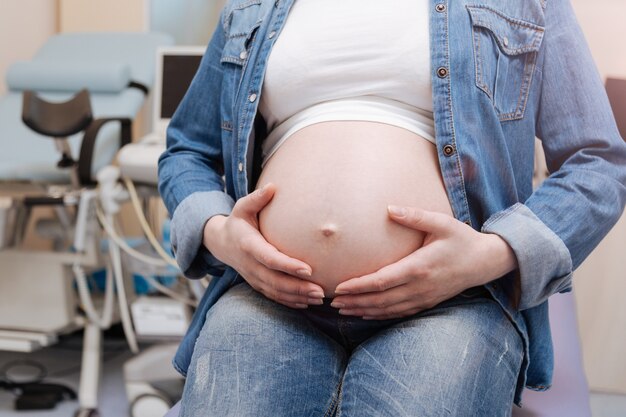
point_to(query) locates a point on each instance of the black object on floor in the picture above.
(38, 395)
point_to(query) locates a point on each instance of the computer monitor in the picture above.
(175, 68)
(616, 90)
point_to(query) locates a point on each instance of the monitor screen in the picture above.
(616, 90)
(178, 71)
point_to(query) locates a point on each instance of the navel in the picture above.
(329, 230)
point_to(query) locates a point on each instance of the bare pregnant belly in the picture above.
(334, 181)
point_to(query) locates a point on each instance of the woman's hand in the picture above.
(454, 257)
(236, 241)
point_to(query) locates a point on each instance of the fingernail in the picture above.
(302, 305)
(341, 292)
(315, 301)
(367, 318)
(346, 312)
(306, 273)
(335, 304)
(262, 190)
(316, 294)
(397, 211)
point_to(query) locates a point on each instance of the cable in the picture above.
(132, 191)
(104, 321)
(127, 324)
(122, 244)
(134, 198)
(143, 258)
(170, 293)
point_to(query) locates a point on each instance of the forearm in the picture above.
(188, 232)
(212, 231)
(499, 255)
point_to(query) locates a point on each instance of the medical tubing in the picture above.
(170, 293)
(134, 198)
(124, 246)
(127, 324)
(114, 236)
(105, 320)
(81, 232)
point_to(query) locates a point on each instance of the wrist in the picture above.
(212, 230)
(500, 256)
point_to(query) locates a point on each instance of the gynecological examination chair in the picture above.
(66, 113)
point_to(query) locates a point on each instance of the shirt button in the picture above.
(448, 150)
(243, 54)
(440, 7)
(252, 97)
(240, 167)
(272, 34)
(505, 41)
(442, 72)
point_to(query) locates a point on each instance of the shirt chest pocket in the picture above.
(240, 24)
(505, 53)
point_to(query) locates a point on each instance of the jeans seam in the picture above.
(332, 407)
(337, 410)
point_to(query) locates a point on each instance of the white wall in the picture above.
(103, 15)
(604, 24)
(24, 27)
(600, 282)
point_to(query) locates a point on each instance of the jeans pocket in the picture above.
(505, 53)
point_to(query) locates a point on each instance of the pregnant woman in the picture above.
(357, 177)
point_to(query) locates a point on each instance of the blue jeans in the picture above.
(257, 358)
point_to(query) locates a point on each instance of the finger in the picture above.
(270, 257)
(298, 304)
(374, 300)
(390, 276)
(285, 288)
(403, 309)
(419, 219)
(254, 202)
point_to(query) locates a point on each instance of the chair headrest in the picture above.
(68, 76)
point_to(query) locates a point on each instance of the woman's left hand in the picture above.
(454, 257)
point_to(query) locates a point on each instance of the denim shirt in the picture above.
(503, 72)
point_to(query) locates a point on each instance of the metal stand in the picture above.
(91, 367)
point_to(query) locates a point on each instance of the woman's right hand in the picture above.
(236, 241)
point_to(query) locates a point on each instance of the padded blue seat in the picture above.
(105, 64)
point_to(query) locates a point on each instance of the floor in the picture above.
(62, 363)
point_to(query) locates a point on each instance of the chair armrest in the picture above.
(89, 141)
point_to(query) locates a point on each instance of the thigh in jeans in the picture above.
(257, 358)
(461, 358)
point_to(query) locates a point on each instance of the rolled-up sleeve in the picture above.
(545, 265)
(187, 232)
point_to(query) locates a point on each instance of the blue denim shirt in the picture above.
(503, 72)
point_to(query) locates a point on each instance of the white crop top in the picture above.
(349, 60)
